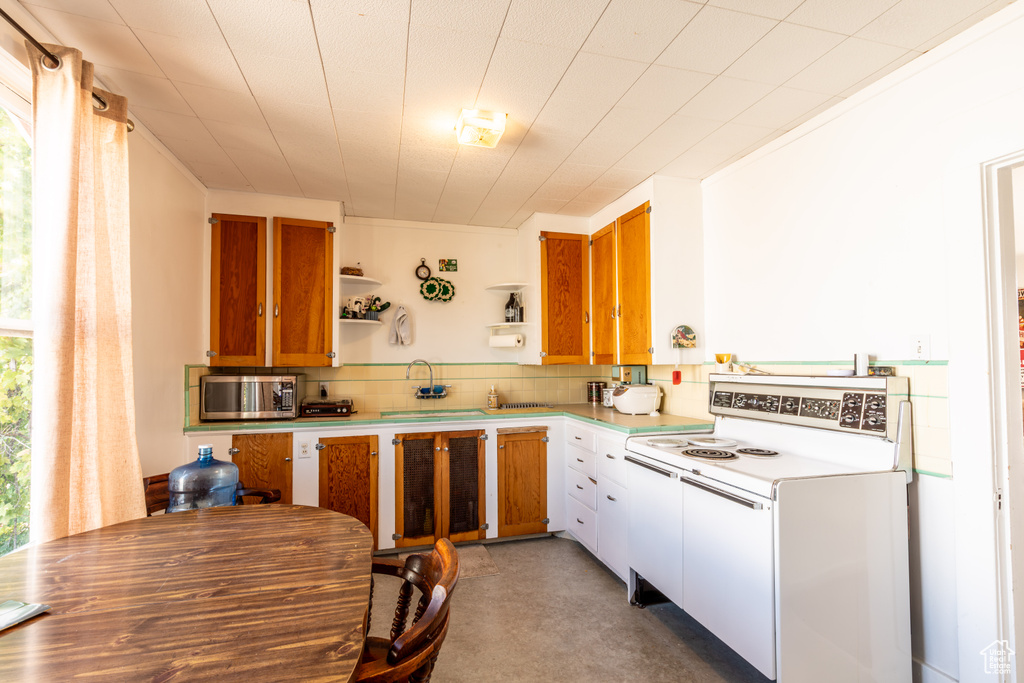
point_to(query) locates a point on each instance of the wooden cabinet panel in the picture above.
(565, 277)
(348, 478)
(264, 462)
(303, 292)
(522, 483)
(602, 252)
(238, 290)
(633, 243)
(439, 487)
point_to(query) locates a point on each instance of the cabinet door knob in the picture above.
(277, 310)
(586, 316)
(233, 451)
(437, 448)
(287, 459)
(259, 310)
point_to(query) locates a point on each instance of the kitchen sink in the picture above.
(431, 413)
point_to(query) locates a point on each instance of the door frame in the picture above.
(1004, 390)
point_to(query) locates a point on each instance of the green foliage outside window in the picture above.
(15, 351)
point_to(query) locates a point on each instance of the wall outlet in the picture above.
(323, 389)
(303, 449)
(921, 347)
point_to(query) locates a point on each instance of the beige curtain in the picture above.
(85, 461)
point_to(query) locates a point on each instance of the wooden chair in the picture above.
(157, 496)
(409, 655)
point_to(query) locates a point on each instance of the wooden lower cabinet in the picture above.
(348, 478)
(439, 487)
(522, 481)
(264, 462)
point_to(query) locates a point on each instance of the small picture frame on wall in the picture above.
(448, 265)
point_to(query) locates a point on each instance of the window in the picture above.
(15, 328)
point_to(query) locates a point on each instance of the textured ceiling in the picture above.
(355, 100)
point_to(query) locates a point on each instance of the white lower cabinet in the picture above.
(581, 522)
(613, 526)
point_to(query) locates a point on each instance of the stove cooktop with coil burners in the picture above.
(770, 428)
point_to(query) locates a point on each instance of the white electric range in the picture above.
(784, 530)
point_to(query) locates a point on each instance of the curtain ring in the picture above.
(43, 59)
(98, 103)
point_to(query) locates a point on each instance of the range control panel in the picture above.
(840, 407)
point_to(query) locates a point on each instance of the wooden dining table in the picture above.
(254, 593)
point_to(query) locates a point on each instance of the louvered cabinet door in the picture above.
(264, 462)
(602, 253)
(238, 291)
(418, 486)
(522, 483)
(633, 244)
(303, 293)
(348, 478)
(565, 284)
(463, 464)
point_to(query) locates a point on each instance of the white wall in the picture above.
(167, 295)
(1018, 221)
(449, 332)
(863, 228)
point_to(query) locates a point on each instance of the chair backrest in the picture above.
(158, 497)
(434, 575)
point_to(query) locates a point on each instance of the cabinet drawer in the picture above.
(581, 460)
(582, 488)
(582, 523)
(577, 435)
(611, 459)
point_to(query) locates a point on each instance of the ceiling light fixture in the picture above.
(480, 128)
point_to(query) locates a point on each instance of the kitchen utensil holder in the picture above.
(432, 393)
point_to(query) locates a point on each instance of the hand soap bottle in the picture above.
(492, 399)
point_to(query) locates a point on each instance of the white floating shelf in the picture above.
(360, 280)
(506, 287)
(357, 321)
(495, 325)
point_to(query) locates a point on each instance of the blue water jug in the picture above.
(205, 483)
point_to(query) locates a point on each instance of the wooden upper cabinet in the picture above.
(602, 252)
(303, 292)
(564, 284)
(238, 290)
(633, 244)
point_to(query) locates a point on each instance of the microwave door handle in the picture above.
(722, 494)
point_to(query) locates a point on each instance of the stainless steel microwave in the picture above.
(248, 397)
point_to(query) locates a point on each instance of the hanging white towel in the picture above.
(400, 333)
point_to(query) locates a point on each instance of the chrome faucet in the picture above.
(420, 360)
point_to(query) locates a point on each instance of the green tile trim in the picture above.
(933, 474)
(835, 362)
(387, 421)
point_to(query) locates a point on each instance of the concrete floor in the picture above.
(555, 613)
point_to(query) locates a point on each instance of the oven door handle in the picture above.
(753, 505)
(664, 473)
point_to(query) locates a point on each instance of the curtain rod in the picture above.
(98, 101)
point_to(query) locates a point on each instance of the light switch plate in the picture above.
(921, 347)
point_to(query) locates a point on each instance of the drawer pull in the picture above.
(577, 438)
(579, 459)
(592, 481)
(609, 456)
(609, 498)
(579, 520)
(579, 487)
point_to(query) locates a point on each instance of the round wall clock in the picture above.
(423, 270)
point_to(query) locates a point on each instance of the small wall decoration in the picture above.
(448, 265)
(437, 289)
(423, 270)
(683, 337)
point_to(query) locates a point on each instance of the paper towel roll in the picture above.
(505, 341)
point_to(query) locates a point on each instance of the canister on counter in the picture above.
(595, 392)
(608, 397)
